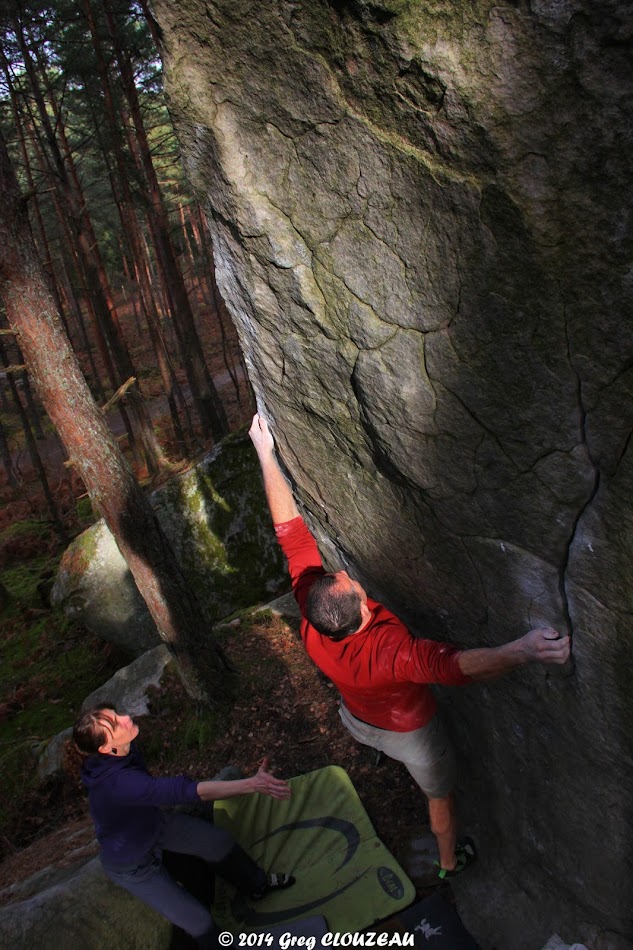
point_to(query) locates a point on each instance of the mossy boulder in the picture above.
(216, 518)
(94, 585)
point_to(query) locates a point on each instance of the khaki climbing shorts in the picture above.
(426, 752)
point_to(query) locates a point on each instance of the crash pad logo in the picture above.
(390, 883)
(351, 841)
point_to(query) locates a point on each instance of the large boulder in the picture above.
(420, 214)
(217, 520)
(95, 585)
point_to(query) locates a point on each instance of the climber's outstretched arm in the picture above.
(278, 492)
(541, 645)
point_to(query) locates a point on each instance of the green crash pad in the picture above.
(323, 836)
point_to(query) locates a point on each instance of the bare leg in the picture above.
(443, 817)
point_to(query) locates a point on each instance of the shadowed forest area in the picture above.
(126, 261)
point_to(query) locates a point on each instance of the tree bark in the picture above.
(90, 444)
(26, 161)
(7, 461)
(202, 387)
(31, 444)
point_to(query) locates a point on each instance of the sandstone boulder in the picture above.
(94, 585)
(50, 754)
(127, 689)
(420, 218)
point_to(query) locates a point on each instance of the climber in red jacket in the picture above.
(382, 672)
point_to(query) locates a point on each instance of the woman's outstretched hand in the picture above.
(262, 782)
(266, 783)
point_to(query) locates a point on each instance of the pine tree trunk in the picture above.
(187, 239)
(125, 204)
(210, 404)
(31, 405)
(31, 444)
(5, 455)
(97, 282)
(120, 364)
(90, 444)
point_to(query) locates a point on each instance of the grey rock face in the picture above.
(555, 943)
(95, 586)
(85, 912)
(76, 856)
(50, 755)
(420, 213)
(127, 689)
(285, 606)
(217, 520)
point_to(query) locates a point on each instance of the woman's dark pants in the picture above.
(152, 884)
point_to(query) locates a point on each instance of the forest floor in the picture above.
(281, 708)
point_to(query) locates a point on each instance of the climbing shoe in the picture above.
(274, 882)
(466, 854)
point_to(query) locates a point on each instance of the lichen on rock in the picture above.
(216, 518)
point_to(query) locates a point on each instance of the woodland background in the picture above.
(129, 268)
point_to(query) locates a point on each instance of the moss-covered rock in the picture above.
(216, 518)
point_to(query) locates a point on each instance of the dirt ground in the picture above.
(283, 708)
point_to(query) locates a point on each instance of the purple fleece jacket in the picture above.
(125, 804)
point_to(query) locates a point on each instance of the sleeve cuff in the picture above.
(286, 527)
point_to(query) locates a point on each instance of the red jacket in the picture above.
(382, 672)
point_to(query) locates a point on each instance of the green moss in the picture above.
(48, 665)
(21, 580)
(41, 690)
(440, 19)
(50, 661)
(197, 731)
(17, 764)
(79, 554)
(196, 728)
(85, 511)
(21, 529)
(218, 520)
(201, 732)
(261, 617)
